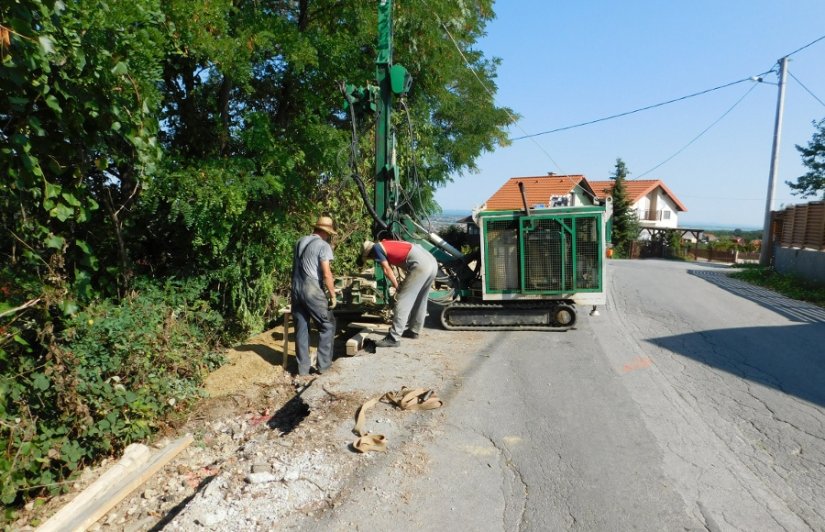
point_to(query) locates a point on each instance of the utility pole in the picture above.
(765, 252)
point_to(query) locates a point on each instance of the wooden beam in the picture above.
(133, 469)
(287, 313)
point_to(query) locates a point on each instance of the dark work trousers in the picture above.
(310, 302)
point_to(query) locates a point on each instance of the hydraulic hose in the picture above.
(358, 181)
(361, 188)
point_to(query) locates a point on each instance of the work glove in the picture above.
(333, 302)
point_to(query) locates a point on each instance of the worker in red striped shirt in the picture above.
(411, 296)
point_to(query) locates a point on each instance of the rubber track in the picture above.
(493, 307)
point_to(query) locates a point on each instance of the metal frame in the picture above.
(569, 220)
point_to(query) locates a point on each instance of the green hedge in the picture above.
(87, 385)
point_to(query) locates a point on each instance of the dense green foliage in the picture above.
(813, 157)
(109, 377)
(745, 234)
(455, 235)
(674, 243)
(76, 98)
(788, 285)
(735, 240)
(158, 161)
(625, 228)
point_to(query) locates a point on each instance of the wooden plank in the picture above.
(370, 327)
(286, 339)
(799, 225)
(134, 456)
(110, 489)
(815, 234)
(787, 228)
(355, 344)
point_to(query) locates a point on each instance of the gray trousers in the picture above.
(310, 302)
(411, 301)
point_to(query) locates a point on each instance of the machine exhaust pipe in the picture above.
(524, 198)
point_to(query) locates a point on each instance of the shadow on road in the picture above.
(792, 309)
(788, 358)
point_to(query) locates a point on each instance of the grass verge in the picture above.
(787, 285)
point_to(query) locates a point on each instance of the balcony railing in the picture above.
(649, 216)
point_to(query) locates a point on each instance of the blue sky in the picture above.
(565, 63)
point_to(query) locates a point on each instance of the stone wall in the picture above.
(806, 263)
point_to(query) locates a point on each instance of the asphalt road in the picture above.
(693, 402)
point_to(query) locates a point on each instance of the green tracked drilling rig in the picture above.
(532, 267)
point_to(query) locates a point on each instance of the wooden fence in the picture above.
(718, 255)
(646, 249)
(800, 226)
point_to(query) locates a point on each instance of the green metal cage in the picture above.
(550, 252)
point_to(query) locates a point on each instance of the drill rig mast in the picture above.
(532, 267)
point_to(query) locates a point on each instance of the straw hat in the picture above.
(366, 247)
(324, 223)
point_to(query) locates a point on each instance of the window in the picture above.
(665, 215)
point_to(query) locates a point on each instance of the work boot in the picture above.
(409, 334)
(387, 341)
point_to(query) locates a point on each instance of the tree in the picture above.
(242, 102)
(178, 148)
(78, 105)
(813, 157)
(674, 243)
(78, 119)
(625, 222)
(257, 137)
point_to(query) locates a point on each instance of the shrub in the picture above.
(455, 235)
(75, 389)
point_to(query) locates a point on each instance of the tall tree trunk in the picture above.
(223, 106)
(286, 102)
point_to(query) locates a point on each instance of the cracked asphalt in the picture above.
(693, 402)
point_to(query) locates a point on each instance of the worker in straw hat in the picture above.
(311, 273)
(410, 307)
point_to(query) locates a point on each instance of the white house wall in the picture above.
(580, 198)
(666, 205)
(663, 203)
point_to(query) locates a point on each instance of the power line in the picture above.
(493, 96)
(532, 136)
(750, 78)
(806, 88)
(806, 46)
(683, 148)
(619, 115)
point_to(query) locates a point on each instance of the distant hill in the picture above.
(446, 218)
(454, 213)
(713, 226)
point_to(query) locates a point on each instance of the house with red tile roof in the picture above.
(544, 191)
(654, 203)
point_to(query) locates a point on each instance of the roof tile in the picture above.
(636, 189)
(538, 190)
